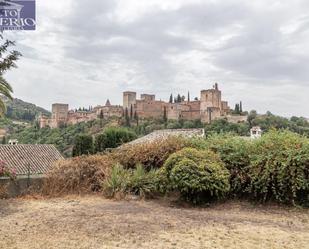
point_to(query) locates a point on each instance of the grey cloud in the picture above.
(162, 49)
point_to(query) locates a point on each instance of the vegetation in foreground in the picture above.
(273, 168)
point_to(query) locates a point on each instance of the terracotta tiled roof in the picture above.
(22, 157)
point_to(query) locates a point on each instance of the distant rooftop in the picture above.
(38, 158)
(164, 134)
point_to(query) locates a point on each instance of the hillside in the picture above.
(22, 111)
(19, 116)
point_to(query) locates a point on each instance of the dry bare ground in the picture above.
(94, 222)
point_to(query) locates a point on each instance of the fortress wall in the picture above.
(147, 109)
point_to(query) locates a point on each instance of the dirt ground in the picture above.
(94, 222)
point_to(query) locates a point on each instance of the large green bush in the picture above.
(113, 137)
(198, 175)
(280, 168)
(235, 152)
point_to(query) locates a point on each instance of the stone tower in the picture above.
(129, 98)
(59, 115)
(211, 104)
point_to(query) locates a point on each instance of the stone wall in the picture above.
(21, 186)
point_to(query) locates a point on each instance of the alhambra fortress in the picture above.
(209, 107)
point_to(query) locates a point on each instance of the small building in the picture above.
(13, 141)
(29, 159)
(255, 132)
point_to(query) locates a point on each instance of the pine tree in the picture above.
(171, 99)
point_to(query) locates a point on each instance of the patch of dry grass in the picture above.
(94, 222)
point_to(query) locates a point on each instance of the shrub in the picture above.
(113, 137)
(83, 145)
(235, 153)
(5, 171)
(78, 175)
(130, 181)
(150, 155)
(141, 182)
(280, 168)
(116, 181)
(198, 175)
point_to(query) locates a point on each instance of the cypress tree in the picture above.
(131, 112)
(127, 118)
(188, 96)
(136, 118)
(171, 99)
(165, 115)
(237, 109)
(240, 107)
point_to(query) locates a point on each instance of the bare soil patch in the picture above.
(94, 222)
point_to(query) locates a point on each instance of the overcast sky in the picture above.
(84, 52)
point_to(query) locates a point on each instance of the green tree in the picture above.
(237, 109)
(240, 107)
(188, 96)
(113, 137)
(178, 98)
(3, 140)
(252, 115)
(7, 61)
(83, 145)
